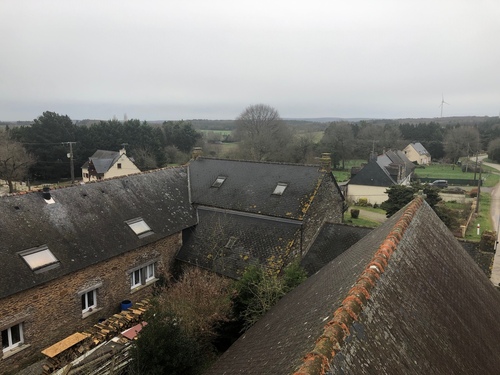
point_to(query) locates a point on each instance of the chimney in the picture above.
(46, 193)
(326, 162)
(197, 151)
(123, 151)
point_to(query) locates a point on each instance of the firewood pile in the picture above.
(74, 346)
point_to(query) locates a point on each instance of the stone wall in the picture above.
(52, 311)
(327, 206)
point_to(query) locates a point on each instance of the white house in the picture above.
(107, 164)
(417, 153)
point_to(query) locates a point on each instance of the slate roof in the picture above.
(372, 174)
(384, 170)
(86, 224)
(419, 148)
(249, 186)
(406, 299)
(102, 160)
(256, 239)
(331, 241)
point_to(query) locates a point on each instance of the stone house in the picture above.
(405, 299)
(382, 171)
(256, 213)
(108, 164)
(70, 256)
(417, 153)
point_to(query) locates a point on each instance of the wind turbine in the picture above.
(442, 104)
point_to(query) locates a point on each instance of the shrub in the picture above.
(363, 202)
(488, 240)
(375, 205)
(473, 193)
(354, 213)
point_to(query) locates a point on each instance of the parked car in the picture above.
(439, 183)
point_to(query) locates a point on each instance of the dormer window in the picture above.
(139, 227)
(39, 259)
(219, 181)
(280, 188)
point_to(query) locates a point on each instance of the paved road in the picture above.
(495, 216)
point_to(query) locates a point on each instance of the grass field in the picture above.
(483, 219)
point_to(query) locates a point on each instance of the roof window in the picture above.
(219, 181)
(139, 227)
(280, 188)
(39, 259)
(230, 242)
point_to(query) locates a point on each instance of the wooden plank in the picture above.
(62, 345)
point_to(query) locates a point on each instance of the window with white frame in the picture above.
(150, 272)
(139, 227)
(142, 276)
(89, 300)
(135, 278)
(12, 337)
(280, 188)
(219, 181)
(39, 259)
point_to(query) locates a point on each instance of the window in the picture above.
(219, 181)
(280, 188)
(139, 227)
(89, 301)
(39, 259)
(135, 278)
(142, 276)
(12, 337)
(119, 165)
(150, 272)
(231, 242)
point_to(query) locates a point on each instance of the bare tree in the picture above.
(338, 139)
(264, 135)
(14, 160)
(461, 141)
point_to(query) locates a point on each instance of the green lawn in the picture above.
(483, 219)
(345, 174)
(360, 221)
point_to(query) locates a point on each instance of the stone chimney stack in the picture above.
(197, 151)
(326, 162)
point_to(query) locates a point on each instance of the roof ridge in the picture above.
(317, 361)
(261, 161)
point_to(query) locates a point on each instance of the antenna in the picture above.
(442, 104)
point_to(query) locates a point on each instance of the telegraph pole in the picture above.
(70, 156)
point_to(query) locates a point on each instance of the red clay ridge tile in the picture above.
(337, 329)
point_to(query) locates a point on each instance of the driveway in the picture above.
(495, 217)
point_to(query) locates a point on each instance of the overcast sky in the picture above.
(193, 59)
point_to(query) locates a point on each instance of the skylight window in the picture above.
(219, 181)
(139, 227)
(40, 259)
(231, 242)
(280, 188)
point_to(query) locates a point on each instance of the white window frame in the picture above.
(136, 278)
(142, 275)
(280, 188)
(219, 181)
(150, 272)
(33, 264)
(141, 230)
(86, 307)
(12, 345)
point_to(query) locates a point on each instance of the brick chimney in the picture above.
(197, 151)
(326, 162)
